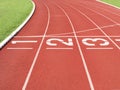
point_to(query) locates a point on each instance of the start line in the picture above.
(56, 42)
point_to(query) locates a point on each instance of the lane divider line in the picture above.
(83, 31)
(110, 19)
(37, 53)
(87, 30)
(100, 7)
(95, 25)
(80, 50)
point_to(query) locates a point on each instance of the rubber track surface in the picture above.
(67, 45)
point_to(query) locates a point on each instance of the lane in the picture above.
(102, 64)
(82, 59)
(15, 59)
(38, 51)
(59, 68)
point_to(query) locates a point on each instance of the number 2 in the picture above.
(50, 43)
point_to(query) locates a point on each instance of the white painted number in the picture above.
(51, 43)
(94, 40)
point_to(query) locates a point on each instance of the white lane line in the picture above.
(19, 41)
(117, 40)
(19, 48)
(59, 48)
(80, 50)
(37, 53)
(39, 36)
(102, 15)
(100, 7)
(81, 31)
(95, 25)
(87, 30)
(99, 48)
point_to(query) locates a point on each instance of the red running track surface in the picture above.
(67, 45)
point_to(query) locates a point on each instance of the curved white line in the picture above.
(107, 10)
(37, 53)
(95, 25)
(4, 42)
(80, 50)
(102, 15)
(87, 30)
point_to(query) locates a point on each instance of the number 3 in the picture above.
(103, 43)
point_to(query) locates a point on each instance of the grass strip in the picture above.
(113, 2)
(12, 14)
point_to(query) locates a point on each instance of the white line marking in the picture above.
(60, 36)
(117, 40)
(80, 50)
(59, 48)
(19, 48)
(95, 25)
(37, 53)
(15, 42)
(82, 31)
(102, 15)
(100, 7)
(98, 48)
(87, 30)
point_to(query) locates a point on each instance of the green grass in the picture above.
(113, 2)
(12, 14)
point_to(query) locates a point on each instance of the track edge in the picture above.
(6, 40)
(108, 4)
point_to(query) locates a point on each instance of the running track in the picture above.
(67, 45)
